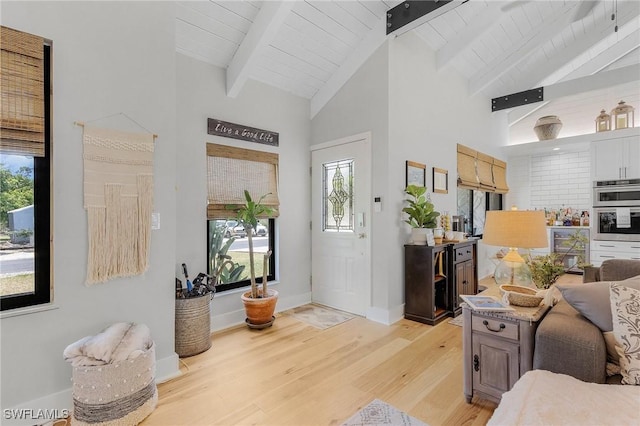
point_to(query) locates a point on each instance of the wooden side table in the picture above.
(497, 347)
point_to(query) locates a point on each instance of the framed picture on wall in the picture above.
(440, 181)
(416, 174)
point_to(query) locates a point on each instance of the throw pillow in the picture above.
(592, 300)
(625, 308)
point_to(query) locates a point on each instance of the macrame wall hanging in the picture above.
(118, 197)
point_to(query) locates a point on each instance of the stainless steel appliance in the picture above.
(610, 193)
(616, 210)
(606, 225)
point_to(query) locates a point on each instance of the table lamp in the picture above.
(515, 229)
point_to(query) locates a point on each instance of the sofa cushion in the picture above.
(592, 300)
(625, 308)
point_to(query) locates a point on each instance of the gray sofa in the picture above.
(568, 343)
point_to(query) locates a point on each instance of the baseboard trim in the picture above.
(61, 403)
(237, 317)
(385, 316)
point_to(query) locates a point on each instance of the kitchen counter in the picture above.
(561, 226)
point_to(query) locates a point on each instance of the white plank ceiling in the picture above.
(311, 48)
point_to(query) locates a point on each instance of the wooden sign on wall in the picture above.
(238, 131)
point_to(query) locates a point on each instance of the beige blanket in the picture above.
(544, 398)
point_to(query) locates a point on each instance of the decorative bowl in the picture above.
(521, 296)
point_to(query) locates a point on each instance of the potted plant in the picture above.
(545, 270)
(422, 215)
(259, 303)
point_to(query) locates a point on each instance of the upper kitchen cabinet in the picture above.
(614, 159)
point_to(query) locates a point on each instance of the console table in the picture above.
(497, 347)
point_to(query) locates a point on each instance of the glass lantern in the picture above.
(603, 122)
(622, 116)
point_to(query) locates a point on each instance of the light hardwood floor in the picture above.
(295, 374)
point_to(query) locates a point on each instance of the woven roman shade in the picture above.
(22, 90)
(467, 177)
(485, 176)
(231, 170)
(500, 176)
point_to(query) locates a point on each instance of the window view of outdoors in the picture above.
(229, 238)
(16, 225)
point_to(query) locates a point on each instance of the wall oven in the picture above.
(610, 193)
(616, 210)
(616, 223)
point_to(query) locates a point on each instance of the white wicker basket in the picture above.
(122, 393)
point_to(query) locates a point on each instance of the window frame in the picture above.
(42, 203)
(487, 205)
(247, 283)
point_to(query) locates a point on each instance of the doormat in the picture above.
(456, 321)
(319, 316)
(380, 413)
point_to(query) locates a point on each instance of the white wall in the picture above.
(362, 106)
(414, 113)
(200, 95)
(108, 58)
(430, 112)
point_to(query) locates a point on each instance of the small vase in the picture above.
(547, 127)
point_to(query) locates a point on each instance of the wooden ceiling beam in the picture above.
(480, 25)
(262, 32)
(609, 56)
(520, 49)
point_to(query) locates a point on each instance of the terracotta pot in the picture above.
(547, 127)
(260, 311)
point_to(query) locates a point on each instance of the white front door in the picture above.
(341, 223)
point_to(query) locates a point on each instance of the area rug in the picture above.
(456, 321)
(319, 316)
(380, 413)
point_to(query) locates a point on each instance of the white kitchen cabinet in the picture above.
(616, 159)
(603, 250)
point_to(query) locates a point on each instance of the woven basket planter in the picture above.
(193, 325)
(521, 296)
(122, 393)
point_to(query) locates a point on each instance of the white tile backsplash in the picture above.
(550, 181)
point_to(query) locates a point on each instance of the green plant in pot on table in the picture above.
(545, 270)
(422, 216)
(259, 303)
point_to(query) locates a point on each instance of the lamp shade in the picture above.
(515, 228)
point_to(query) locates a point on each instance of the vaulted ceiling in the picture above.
(311, 48)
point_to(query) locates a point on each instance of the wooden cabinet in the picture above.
(616, 159)
(435, 277)
(426, 283)
(465, 271)
(497, 348)
(603, 250)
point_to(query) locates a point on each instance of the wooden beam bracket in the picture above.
(518, 99)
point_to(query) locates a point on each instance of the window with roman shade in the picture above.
(232, 170)
(484, 163)
(467, 177)
(22, 120)
(499, 169)
(481, 171)
(25, 139)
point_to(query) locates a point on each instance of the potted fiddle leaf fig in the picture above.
(421, 214)
(259, 303)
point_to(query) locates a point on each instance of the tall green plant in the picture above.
(248, 215)
(230, 272)
(420, 210)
